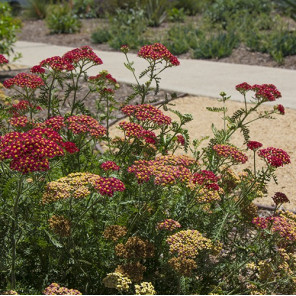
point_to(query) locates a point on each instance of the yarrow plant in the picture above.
(135, 213)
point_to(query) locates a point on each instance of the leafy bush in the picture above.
(84, 8)
(176, 15)
(36, 9)
(138, 217)
(192, 7)
(9, 26)
(127, 27)
(60, 19)
(287, 7)
(101, 35)
(216, 46)
(109, 7)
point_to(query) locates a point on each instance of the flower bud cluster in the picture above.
(80, 185)
(168, 224)
(114, 232)
(274, 156)
(31, 150)
(230, 151)
(147, 113)
(116, 280)
(56, 289)
(145, 288)
(24, 80)
(158, 52)
(183, 266)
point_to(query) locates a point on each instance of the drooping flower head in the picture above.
(56, 289)
(158, 52)
(274, 156)
(280, 108)
(84, 54)
(254, 145)
(24, 80)
(3, 60)
(230, 151)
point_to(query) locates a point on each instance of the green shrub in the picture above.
(61, 20)
(217, 46)
(176, 15)
(192, 7)
(127, 27)
(8, 29)
(36, 9)
(84, 8)
(101, 35)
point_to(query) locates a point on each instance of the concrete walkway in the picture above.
(195, 77)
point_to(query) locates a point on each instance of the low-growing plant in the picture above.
(192, 7)
(36, 9)
(142, 216)
(60, 19)
(101, 35)
(84, 8)
(216, 46)
(176, 15)
(9, 27)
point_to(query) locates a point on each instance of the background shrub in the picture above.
(84, 8)
(36, 9)
(176, 15)
(8, 29)
(101, 35)
(61, 20)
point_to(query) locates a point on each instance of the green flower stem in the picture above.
(14, 228)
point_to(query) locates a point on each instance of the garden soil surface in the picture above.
(279, 133)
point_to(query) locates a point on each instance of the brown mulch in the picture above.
(37, 31)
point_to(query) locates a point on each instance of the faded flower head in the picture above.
(60, 225)
(274, 156)
(133, 270)
(231, 152)
(156, 52)
(168, 224)
(116, 280)
(280, 198)
(145, 288)
(183, 266)
(114, 232)
(24, 80)
(56, 289)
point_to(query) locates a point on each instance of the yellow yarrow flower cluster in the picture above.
(116, 280)
(145, 288)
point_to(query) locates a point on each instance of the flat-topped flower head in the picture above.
(158, 52)
(168, 224)
(20, 121)
(56, 289)
(204, 177)
(274, 156)
(24, 80)
(243, 87)
(80, 124)
(84, 53)
(37, 69)
(110, 165)
(280, 198)
(231, 152)
(3, 60)
(57, 63)
(56, 123)
(30, 151)
(267, 92)
(147, 113)
(254, 145)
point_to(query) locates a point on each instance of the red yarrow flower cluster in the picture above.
(20, 121)
(280, 108)
(163, 171)
(37, 69)
(57, 63)
(56, 123)
(274, 156)
(204, 177)
(84, 53)
(147, 113)
(137, 131)
(70, 147)
(168, 224)
(110, 165)
(80, 124)
(56, 289)
(31, 151)
(3, 60)
(24, 80)
(267, 92)
(107, 186)
(103, 76)
(254, 145)
(158, 52)
(230, 151)
(181, 140)
(280, 198)
(22, 107)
